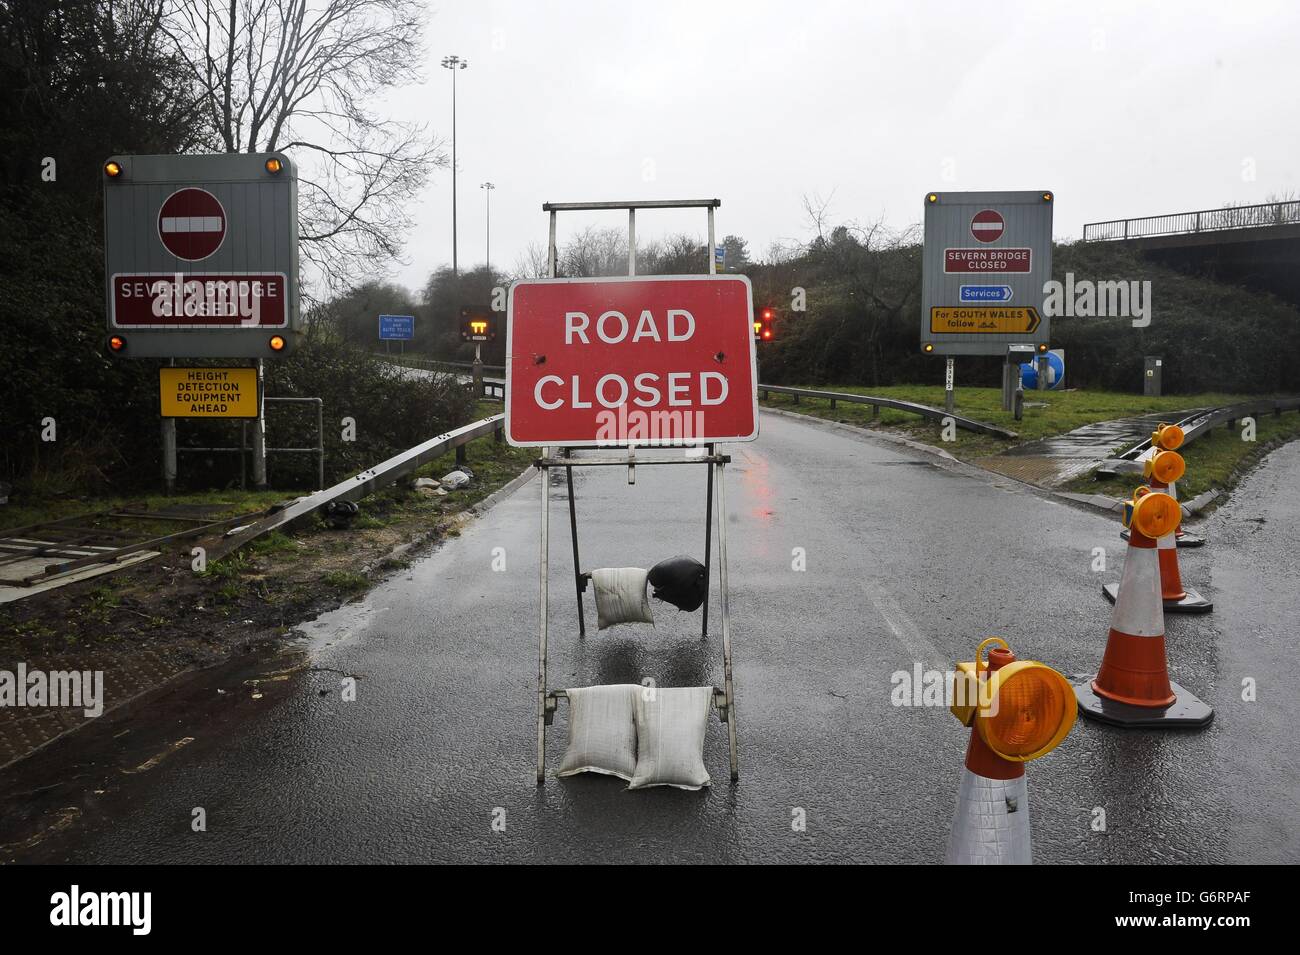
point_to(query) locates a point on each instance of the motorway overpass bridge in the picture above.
(1254, 246)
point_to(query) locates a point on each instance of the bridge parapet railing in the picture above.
(1206, 220)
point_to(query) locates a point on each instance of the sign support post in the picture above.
(259, 433)
(169, 449)
(169, 454)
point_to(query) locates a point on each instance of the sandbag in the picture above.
(620, 596)
(679, 581)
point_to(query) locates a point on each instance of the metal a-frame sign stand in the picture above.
(548, 699)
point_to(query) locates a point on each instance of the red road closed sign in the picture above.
(645, 361)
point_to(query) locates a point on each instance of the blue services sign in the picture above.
(396, 327)
(985, 293)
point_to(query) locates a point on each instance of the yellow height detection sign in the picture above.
(208, 392)
(972, 319)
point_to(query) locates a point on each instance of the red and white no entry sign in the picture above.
(987, 226)
(192, 224)
(631, 361)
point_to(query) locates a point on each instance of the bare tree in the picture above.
(299, 76)
(864, 260)
(531, 263)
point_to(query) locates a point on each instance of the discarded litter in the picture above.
(455, 479)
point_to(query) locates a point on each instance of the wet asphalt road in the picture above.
(906, 561)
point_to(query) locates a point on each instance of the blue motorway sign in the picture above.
(396, 327)
(985, 293)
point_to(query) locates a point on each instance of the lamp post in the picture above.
(453, 63)
(487, 188)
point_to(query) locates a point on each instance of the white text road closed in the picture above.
(644, 361)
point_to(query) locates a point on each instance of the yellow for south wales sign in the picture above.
(973, 319)
(208, 392)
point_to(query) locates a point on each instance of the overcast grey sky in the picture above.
(1123, 109)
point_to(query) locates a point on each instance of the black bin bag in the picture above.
(680, 582)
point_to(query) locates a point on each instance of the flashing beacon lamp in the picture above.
(276, 343)
(116, 344)
(1164, 468)
(112, 169)
(1018, 710)
(763, 330)
(1168, 436)
(1153, 514)
(274, 165)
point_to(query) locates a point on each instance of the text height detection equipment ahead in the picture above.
(201, 256)
(207, 392)
(654, 360)
(477, 325)
(397, 328)
(984, 251)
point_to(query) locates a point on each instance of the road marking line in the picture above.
(154, 761)
(901, 625)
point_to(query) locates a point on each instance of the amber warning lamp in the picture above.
(1021, 709)
(477, 325)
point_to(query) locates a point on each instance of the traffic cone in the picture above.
(1168, 437)
(1033, 713)
(1133, 688)
(1163, 468)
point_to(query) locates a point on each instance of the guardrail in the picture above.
(366, 482)
(434, 364)
(494, 388)
(1197, 426)
(877, 402)
(1207, 220)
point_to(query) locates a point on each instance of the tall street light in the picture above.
(453, 63)
(487, 188)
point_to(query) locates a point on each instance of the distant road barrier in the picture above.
(492, 387)
(877, 402)
(1197, 426)
(1206, 220)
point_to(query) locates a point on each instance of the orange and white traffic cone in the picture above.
(1022, 709)
(1163, 469)
(1169, 437)
(1133, 688)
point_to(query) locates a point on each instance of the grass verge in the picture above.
(1218, 460)
(1214, 461)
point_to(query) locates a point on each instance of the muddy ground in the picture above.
(144, 625)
